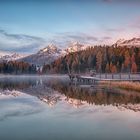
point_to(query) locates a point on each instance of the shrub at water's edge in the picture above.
(124, 85)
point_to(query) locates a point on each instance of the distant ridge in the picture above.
(134, 42)
(51, 52)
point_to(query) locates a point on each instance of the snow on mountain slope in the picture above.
(2, 53)
(51, 53)
(51, 50)
(45, 55)
(134, 42)
(7, 56)
(74, 47)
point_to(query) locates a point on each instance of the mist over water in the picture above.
(50, 107)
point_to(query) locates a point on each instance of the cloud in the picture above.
(19, 113)
(31, 44)
(64, 39)
(82, 37)
(106, 38)
(19, 42)
(115, 29)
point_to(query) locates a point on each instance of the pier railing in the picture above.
(106, 77)
(118, 75)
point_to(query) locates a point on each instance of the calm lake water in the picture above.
(51, 108)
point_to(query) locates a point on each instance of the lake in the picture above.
(52, 108)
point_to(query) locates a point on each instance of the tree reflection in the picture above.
(51, 90)
(99, 95)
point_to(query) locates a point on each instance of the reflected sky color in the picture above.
(27, 115)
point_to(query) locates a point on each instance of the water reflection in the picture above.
(53, 90)
(46, 107)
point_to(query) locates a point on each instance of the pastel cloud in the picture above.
(115, 29)
(63, 39)
(31, 44)
(19, 42)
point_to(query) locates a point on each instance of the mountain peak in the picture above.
(50, 49)
(75, 46)
(134, 42)
(10, 56)
(45, 56)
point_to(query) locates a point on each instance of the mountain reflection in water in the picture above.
(54, 90)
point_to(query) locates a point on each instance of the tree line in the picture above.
(103, 59)
(15, 67)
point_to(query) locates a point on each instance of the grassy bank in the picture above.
(135, 86)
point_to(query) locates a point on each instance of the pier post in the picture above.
(100, 75)
(120, 75)
(106, 75)
(129, 75)
(112, 75)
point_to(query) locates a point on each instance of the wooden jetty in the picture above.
(104, 77)
(94, 77)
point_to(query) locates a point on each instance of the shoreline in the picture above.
(134, 86)
(33, 75)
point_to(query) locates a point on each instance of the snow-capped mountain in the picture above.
(134, 42)
(52, 52)
(45, 55)
(7, 56)
(74, 47)
(3, 53)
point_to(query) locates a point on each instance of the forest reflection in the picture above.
(97, 94)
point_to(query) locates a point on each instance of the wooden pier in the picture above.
(104, 77)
